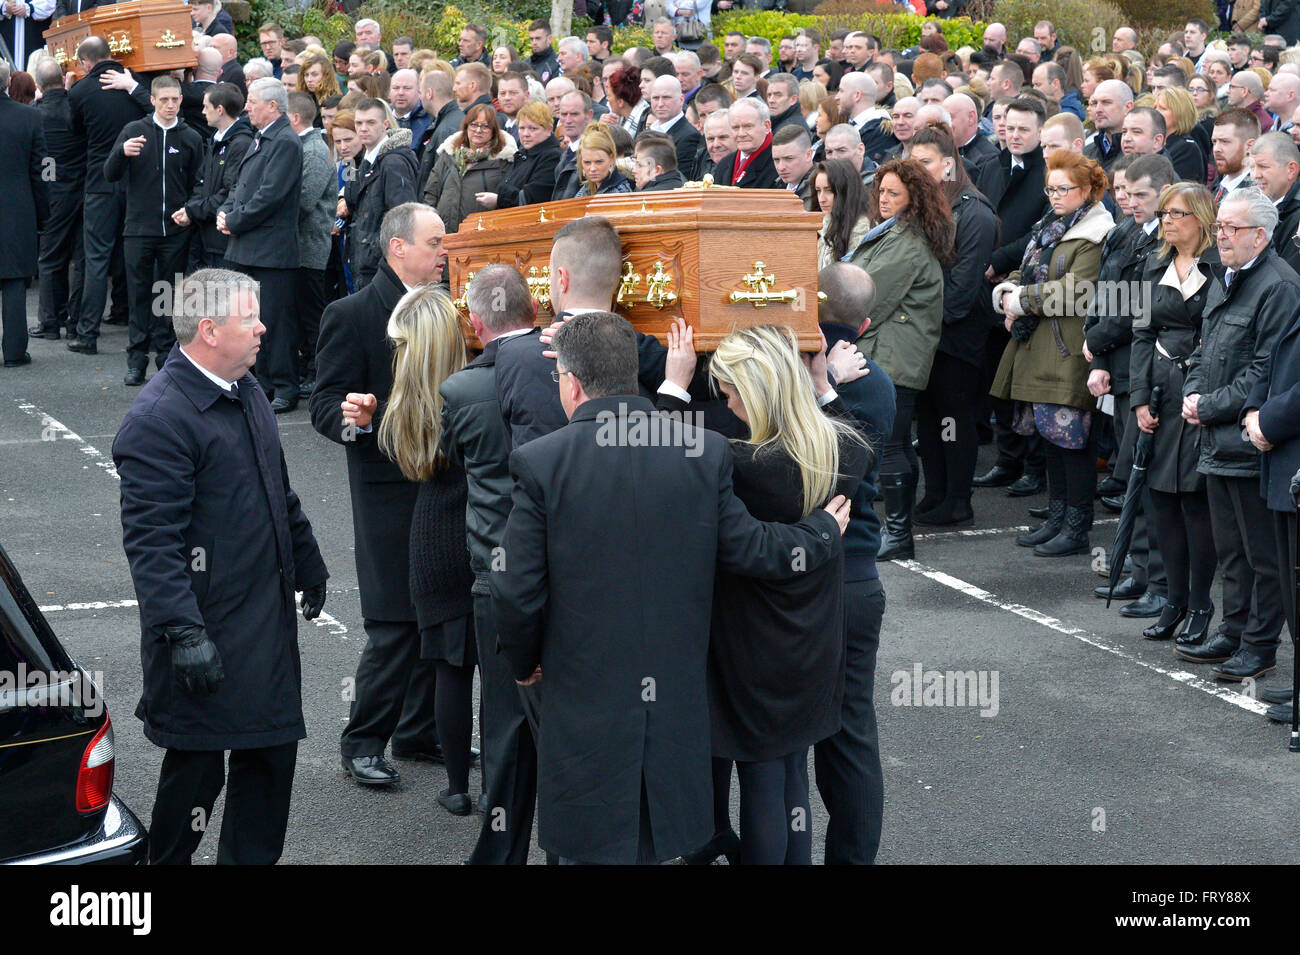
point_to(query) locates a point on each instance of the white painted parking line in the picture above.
(1218, 690)
(326, 620)
(57, 431)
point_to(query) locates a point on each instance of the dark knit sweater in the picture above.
(440, 574)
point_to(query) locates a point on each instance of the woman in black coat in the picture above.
(531, 177)
(953, 392)
(1179, 112)
(776, 650)
(428, 348)
(1180, 274)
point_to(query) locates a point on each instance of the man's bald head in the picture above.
(209, 64)
(225, 44)
(666, 97)
(850, 295)
(965, 117)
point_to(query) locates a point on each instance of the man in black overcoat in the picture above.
(750, 166)
(354, 365)
(61, 237)
(22, 165)
(217, 543)
(261, 219)
(623, 756)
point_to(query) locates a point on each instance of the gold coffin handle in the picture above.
(760, 294)
(462, 302)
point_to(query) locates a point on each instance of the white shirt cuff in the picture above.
(675, 391)
(827, 398)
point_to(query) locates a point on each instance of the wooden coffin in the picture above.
(145, 36)
(721, 258)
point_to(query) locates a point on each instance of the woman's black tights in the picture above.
(1182, 525)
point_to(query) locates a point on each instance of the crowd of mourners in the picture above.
(1083, 260)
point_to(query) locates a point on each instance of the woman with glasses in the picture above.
(1202, 91)
(531, 177)
(1043, 368)
(469, 162)
(1180, 274)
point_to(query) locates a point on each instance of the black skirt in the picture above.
(451, 641)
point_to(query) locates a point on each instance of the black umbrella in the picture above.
(1132, 499)
(1294, 624)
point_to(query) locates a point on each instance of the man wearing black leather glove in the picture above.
(217, 544)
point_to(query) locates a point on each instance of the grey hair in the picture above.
(47, 74)
(932, 109)
(574, 43)
(399, 223)
(208, 293)
(762, 41)
(368, 23)
(723, 114)
(271, 90)
(500, 297)
(756, 104)
(257, 68)
(690, 58)
(788, 80)
(1259, 208)
(1278, 145)
(5, 72)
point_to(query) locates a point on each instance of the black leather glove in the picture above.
(195, 659)
(313, 599)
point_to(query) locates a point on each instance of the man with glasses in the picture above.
(1242, 321)
(1245, 91)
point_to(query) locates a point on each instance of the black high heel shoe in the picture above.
(1167, 625)
(1198, 625)
(722, 844)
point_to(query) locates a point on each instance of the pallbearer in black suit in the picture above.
(623, 759)
(354, 372)
(261, 219)
(61, 235)
(22, 165)
(217, 543)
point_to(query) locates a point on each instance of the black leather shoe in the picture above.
(370, 770)
(1027, 486)
(946, 513)
(1243, 665)
(305, 388)
(1167, 625)
(1279, 713)
(134, 377)
(458, 804)
(117, 320)
(1038, 512)
(283, 405)
(83, 346)
(431, 755)
(1277, 694)
(996, 476)
(1198, 625)
(1221, 646)
(1111, 487)
(1113, 504)
(1126, 589)
(722, 844)
(1148, 605)
(26, 359)
(40, 331)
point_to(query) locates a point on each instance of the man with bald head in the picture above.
(843, 142)
(857, 102)
(1245, 91)
(231, 71)
(404, 97)
(904, 121)
(995, 36)
(1282, 98)
(975, 149)
(666, 105)
(206, 73)
(1125, 38)
(555, 90)
(1110, 103)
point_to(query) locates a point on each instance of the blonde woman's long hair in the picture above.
(428, 348)
(763, 365)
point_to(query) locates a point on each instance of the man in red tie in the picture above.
(750, 166)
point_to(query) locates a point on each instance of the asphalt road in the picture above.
(1098, 747)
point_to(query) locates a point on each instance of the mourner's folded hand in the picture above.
(846, 362)
(221, 223)
(1191, 409)
(679, 368)
(1087, 352)
(1253, 432)
(488, 200)
(358, 409)
(536, 677)
(1145, 420)
(838, 508)
(1098, 382)
(313, 601)
(181, 217)
(195, 659)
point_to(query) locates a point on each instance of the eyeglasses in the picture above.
(1053, 191)
(1221, 228)
(481, 127)
(1235, 86)
(1174, 214)
(556, 373)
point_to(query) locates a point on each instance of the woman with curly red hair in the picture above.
(1043, 368)
(904, 255)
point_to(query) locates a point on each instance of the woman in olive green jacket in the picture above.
(1043, 368)
(903, 254)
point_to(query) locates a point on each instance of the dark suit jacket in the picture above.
(26, 204)
(1019, 203)
(232, 72)
(192, 107)
(567, 174)
(99, 114)
(1277, 396)
(262, 211)
(355, 354)
(759, 174)
(689, 141)
(215, 537)
(624, 703)
(221, 161)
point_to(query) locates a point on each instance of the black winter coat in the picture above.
(1288, 220)
(26, 202)
(1174, 323)
(443, 125)
(665, 183)
(354, 353)
(1277, 396)
(624, 702)
(1188, 160)
(759, 174)
(964, 331)
(99, 114)
(216, 538)
(1019, 203)
(1240, 327)
(261, 211)
(531, 177)
(221, 161)
(1108, 329)
(688, 141)
(63, 146)
(159, 180)
(1283, 17)
(389, 182)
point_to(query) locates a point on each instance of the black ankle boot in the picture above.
(1048, 529)
(947, 512)
(1073, 538)
(1167, 625)
(1198, 625)
(933, 498)
(900, 497)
